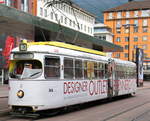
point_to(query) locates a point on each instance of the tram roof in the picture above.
(68, 46)
(13, 20)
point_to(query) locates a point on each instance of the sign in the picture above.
(139, 63)
(2, 1)
(9, 45)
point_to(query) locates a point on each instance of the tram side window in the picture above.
(78, 69)
(68, 68)
(85, 69)
(95, 69)
(52, 67)
(128, 73)
(121, 72)
(101, 70)
(90, 69)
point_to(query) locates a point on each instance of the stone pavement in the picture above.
(5, 88)
(4, 91)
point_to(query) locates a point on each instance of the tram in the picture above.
(146, 69)
(53, 75)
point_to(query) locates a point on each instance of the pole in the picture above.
(2, 76)
(129, 44)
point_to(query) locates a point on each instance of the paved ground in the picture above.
(4, 91)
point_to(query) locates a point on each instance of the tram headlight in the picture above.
(20, 94)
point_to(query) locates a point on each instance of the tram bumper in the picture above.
(35, 95)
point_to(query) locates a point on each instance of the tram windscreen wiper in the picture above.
(28, 73)
(35, 74)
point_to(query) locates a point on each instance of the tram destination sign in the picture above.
(23, 55)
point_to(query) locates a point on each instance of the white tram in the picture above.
(51, 75)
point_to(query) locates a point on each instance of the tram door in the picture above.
(111, 77)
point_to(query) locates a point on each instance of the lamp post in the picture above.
(129, 26)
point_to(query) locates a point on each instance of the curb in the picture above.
(4, 97)
(4, 113)
(140, 88)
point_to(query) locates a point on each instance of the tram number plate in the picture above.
(50, 90)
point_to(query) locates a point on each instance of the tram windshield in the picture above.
(25, 69)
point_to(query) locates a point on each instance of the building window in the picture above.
(85, 28)
(144, 38)
(81, 27)
(145, 13)
(70, 23)
(118, 30)
(127, 22)
(118, 39)
(56, 17)
(135, 39)
(74, 24)
(24, 5)
(41, 11)
(102, 37)
(118, 24)
(126, 30)
(8, 2)
(136, 13)
(145, 56)
(126, 47)
(65, 20)
(136, 22)
(135, 29)
(145, 22)
(127, 14)
(91, 30)
(135, 46)
(52, 16)
(88, 29)
(126, 39)
(126, 55)
(61, 20)
(110, 15)
(119, 15)
(45, 12)
(144, 47)
(117, 55)
(145, 29)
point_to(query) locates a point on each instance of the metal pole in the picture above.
(2, 76)
(129, 44)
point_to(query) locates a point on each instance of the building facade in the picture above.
(13, 29)
(130, 25)
(23, 5)
(63, 14)
(104, 33)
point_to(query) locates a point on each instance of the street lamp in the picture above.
(128, 26)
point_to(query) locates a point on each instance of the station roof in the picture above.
(19, 20)
(68, 46)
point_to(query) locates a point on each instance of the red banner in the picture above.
(9, 45)
(2, 1)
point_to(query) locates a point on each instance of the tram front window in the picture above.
(28, 69)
